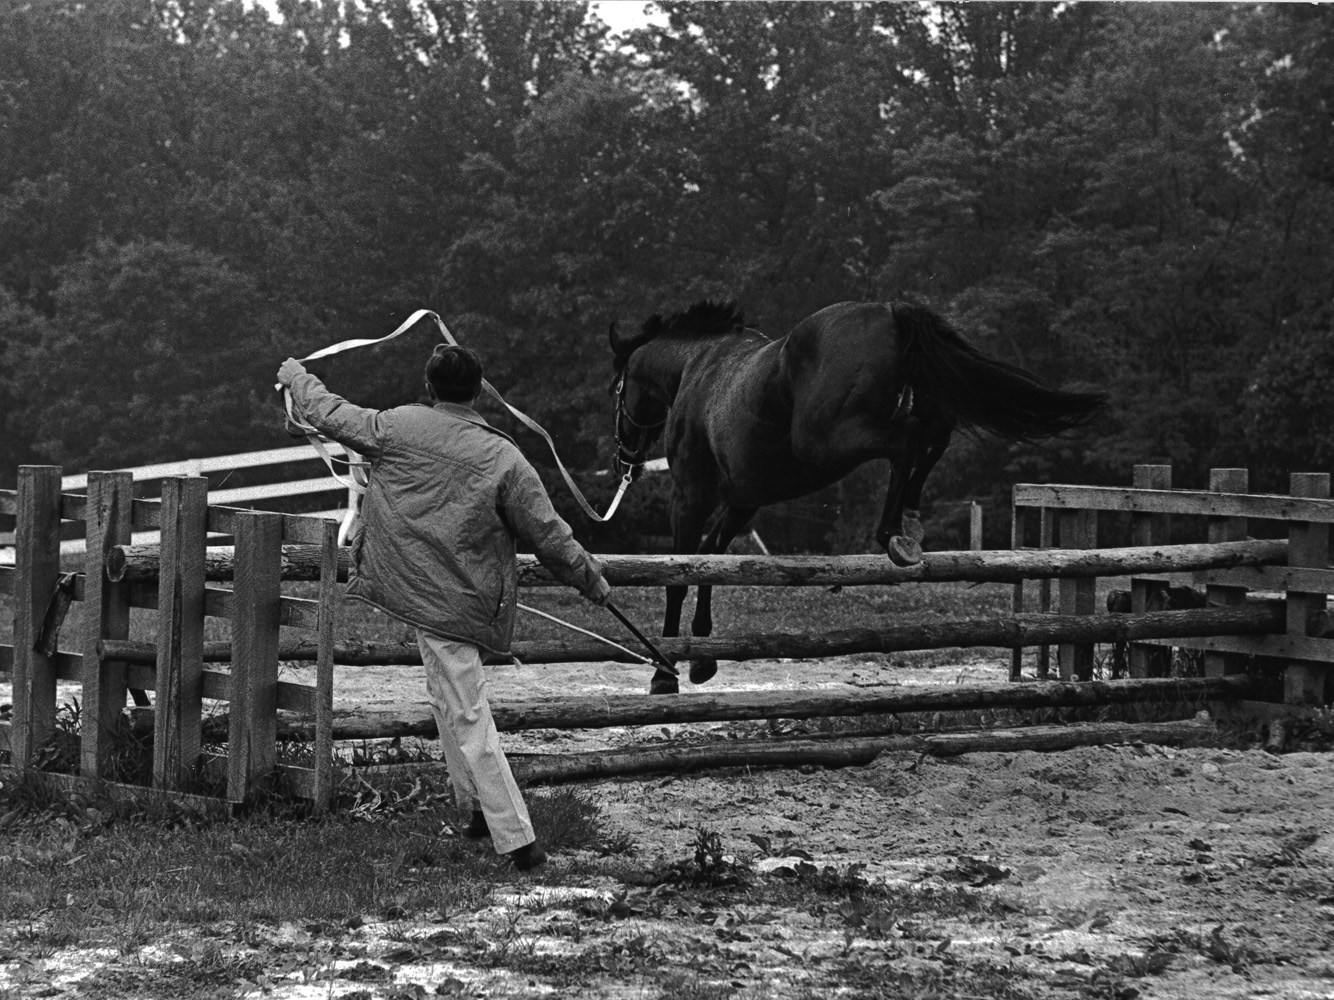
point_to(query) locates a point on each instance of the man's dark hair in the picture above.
(454, 374)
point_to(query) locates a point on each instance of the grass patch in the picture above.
(82, 872)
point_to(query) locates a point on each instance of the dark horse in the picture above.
(751, 421)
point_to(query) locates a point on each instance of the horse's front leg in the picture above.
(728, 525)
(688, 518)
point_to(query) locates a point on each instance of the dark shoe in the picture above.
(477, 829)
(528, 857)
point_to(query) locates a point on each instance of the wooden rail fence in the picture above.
(178, 579)
(1068, 516)
(41, 589)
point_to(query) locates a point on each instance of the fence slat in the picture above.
(1274, 506)
(36, 570)
(1308, 545)
(1079, 530)
(200, 466)
(180, 632)
(106, 615)
(1018, 520)
(1046, 539)
(251, 750)
(324, 669)
(1226, 529)
(1149, 529)
(1274, 579)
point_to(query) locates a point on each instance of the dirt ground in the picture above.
(1119, 872)
(1114, 871)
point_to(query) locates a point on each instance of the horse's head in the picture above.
(641, 401)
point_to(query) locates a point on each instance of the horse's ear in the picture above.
(617, 342)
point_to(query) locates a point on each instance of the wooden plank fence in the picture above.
(1305, 577)
(182, 599)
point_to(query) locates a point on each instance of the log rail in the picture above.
(141, 564)
(179, 580)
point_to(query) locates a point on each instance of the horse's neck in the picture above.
(674, 360)
(664, 363)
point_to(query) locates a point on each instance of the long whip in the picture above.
(661, 661)
(658, 656)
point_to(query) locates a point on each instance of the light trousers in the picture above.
(478, 770)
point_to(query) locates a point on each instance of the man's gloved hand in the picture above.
(290, 370)
(600, 594)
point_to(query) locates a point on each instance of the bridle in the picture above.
(632, 461)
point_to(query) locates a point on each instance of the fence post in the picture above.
(37, 569)
(974, 526)
(180, 631)
(324, 667)
(1046, 521)
(106, 615)
(1226, 529)
(1308, 545)
(253, 690)
(1149, 529)
(1018, 521)
(1079, 530)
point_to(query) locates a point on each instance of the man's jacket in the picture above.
(449, 495)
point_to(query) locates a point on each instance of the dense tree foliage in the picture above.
(1134, 195)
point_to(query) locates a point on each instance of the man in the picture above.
(449, 496)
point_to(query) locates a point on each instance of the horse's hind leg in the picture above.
(729, 524)
(900, 530)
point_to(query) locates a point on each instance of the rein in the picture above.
(357, 480)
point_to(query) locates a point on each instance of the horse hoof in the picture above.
(702, 670)
(904, 551)
(664, 685)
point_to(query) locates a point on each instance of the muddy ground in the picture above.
(1115, 871)
(1119, 872)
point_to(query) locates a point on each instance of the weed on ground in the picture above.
(80, 871)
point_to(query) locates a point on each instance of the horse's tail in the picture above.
(977, 392)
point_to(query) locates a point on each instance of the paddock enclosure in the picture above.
(1262, 631)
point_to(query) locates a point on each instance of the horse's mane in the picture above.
(703, 319)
